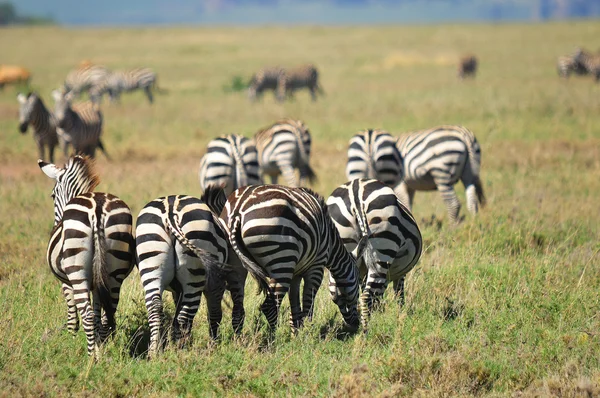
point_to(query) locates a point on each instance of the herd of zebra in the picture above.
(284, 236)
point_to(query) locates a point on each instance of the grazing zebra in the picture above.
(90, 249)
(230, 161)
(304, 76)
(177, 241)
(83, 78)
(283, 235)
(436, 159)
(566, 65)
(283, 147)
(265, 79)
(32, 111)
(373, 154)
(467, 66)
(589, 62)
(368, 208)
(79, 125)
(118, 82)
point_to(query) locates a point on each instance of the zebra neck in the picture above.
(41, 122)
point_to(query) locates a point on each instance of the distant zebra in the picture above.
(79, 125)
(589, 62)
(90, 249)
(83, 78)
(566, 65)
(118, 82)
(467, 66)
(436, 159)
(369, 209)
(32, 111)
(283, 235)
(265, 79)
(373, 154)
(304, 76)
(282, 148)
(231, 161)
(177, 241)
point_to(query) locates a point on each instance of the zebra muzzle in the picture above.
(23, 128)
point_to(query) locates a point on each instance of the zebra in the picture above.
(304, 76)
(79, 125)
(282, 147)
(90, 249)
(283, 235)
(178, 241)
(32, 111)
(566, 65)
(230, 161)
(84, 78)
(267, 78)
(467, 66)
(589, 62)
(436, 159)
(369, 208)
(373, 154)
(118, 82)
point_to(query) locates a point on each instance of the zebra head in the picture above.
(27, 104)
(62, 106)
(76, 178)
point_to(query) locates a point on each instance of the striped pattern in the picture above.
(267, 78)
(85, 77)
(373, 154)
(467, 66)
(32, 111)
(368, 208)
(119, 82)
(283, 235)
(90, 249)
(436, 159)
(566, 65)
(79, 125)
(231, 161)
(177, 239)
(304, 76)
(589, 62)
(282, 148)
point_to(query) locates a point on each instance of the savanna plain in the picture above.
(505, 304)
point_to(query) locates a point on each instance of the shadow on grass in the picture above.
(342, 333)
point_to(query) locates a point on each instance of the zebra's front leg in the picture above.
(399, 290)
(312, 281)
(270, 307)
(148, 92)
(189, 302)
(295, 308)
(451, 200)
(72, 317)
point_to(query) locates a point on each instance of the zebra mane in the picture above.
(80, 171)
(317, 196)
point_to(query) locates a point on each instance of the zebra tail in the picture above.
(474, 151)
(479, 191)
(309, 173)
(101, 146)
(240, 171)
(100, 274)
(215, 199)
(365, 247)
(257, 272)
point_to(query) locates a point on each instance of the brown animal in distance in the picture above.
(467, 66)
(10, 74)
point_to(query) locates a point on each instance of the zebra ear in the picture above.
(21, 98)
(48, 168)
(57, 95)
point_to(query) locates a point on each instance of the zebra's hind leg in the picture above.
(72, 317)
(451, 200)
(236, 286)
(376, 284)
(148, 91)
(154, 305)
(88, 320)
(295, 308)
(399, 290)
(312, 282)
(270, 307)
(214, 296)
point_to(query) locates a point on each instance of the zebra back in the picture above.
(83, 78)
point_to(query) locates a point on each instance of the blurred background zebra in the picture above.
(304, 76)
(367, 208)
(282, 148)
(373, 154)
(467, 66)
(435, 159)
(231, 161)
(566, 65)
(32, 111)
(118, 82)
(265, 79)
(85, 77)
(79, 125)
(280, 234)
(589, 62)
(90, 249)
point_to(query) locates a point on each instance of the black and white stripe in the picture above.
(231, 161)
(566, 65)
(177, 241)
(436, 159)
(79, 125)
(368, 208)
(267, 78)
(589, 62)
(90, 249)
(283, 235)
(83, 78)
(282, 148)
(32, 111)
(122, 81)
(303, 76)
(373, 154)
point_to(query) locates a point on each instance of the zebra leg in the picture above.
(469, 181)
(51, 152)
(148, 91)
(399, 290)
(295, 309)
(72, 317)
(374, 289)
(214, 296)
(288, 172)
(451, 200)
(192, 276)
(235, 285)
(154, 305)
(273, 178)
(312, 282)
(82, 298)
(270, 307)
(405, 194)
(41, 151)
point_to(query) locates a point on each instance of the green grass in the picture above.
(508, 302)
